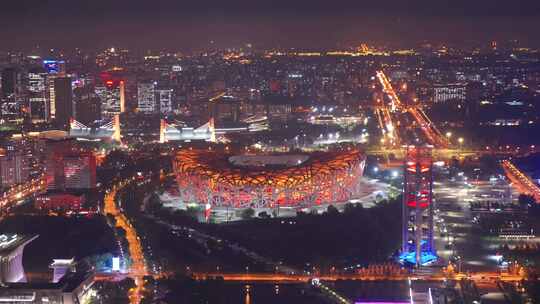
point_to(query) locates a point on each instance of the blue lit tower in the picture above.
(418, 247)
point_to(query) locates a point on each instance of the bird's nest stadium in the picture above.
(266, 181)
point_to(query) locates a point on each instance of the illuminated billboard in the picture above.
(115, 264)
(53, 66)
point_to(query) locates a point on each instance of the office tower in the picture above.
(418, 247)
(63, 101)
(69, 168)
(475, 91)
(165, 101)
(37, 93)
(50, 112)
(55, 67)
(10, 81)
(112, 96)
(14, 165)
(226, 110)
(146, 98)
(80, 170)
(449, 92)
(87, 105)
(36, 80)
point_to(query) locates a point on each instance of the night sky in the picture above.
(155, 24)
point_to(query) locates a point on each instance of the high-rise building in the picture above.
(449, 92)
(10, 81)
(87, 105)
(55, 67)
(14, 165)
(80, 170)
(418, 246)
(64, 101)
(146, 97)
(112, 96)
(68, 168)
(475, 91)
(50, 112)
(225, 110)
(36, 80)
(37, 93)
(165, 101)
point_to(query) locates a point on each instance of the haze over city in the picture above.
(193, 24)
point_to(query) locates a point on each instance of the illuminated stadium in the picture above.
(268, 181)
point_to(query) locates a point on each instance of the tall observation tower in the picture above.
(417, 231)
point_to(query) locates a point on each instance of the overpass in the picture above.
(520, 180)
(447, 153)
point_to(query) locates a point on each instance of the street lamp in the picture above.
(460, 141)
(448, 134)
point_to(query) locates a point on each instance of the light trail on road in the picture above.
(138, 268)
(386, 123)
(297, 278)
(16, 193)
(520, 180)
(434, 136)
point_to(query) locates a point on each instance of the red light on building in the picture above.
(68, 168)
(60, 202)
(209, 178)
(111, 78)
(417, 230)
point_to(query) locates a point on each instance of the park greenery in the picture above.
(355, 236)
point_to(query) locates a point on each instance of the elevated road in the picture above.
(442, 153)
(520, 180)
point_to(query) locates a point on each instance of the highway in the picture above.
(138, 268)
(479, 277)
(433, 135)
(384, 115)
(520, 180)
(17, 193)
(388, 89)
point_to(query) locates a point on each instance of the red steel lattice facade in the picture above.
(206, 177)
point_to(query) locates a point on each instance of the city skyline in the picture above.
(306, 152)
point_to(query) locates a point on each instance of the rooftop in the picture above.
(11, 241)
